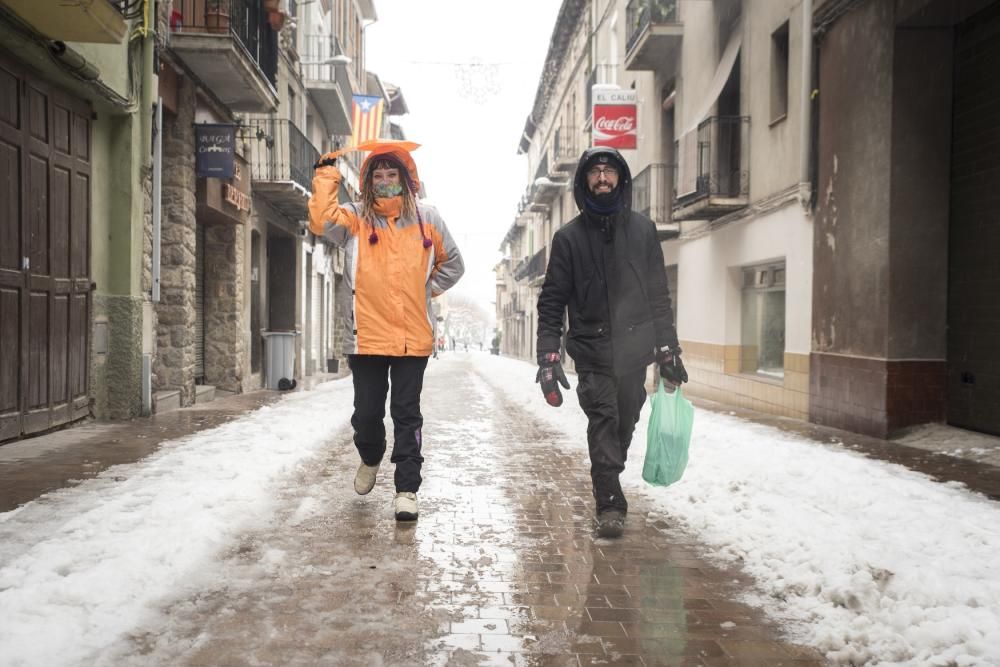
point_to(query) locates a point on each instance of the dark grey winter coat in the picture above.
(608, 271)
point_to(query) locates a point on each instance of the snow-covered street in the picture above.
(246, 544)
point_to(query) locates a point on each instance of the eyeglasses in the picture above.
(595, 172)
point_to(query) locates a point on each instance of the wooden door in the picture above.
(44, 254)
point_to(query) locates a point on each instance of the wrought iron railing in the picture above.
(724, 156)
(652, 192)
(639, 14)
(317, 52)
(244, 20)
(526, 198)
(130, 9)
(278, 151)
(565, 145)
(543, 166)
(531, 267)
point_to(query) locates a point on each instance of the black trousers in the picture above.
(372, 375)
(612, 405)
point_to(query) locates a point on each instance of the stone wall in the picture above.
(173, 366)
(123, 366)
(225, 345)
(342, 302)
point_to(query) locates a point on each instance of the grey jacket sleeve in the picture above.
(448, 263)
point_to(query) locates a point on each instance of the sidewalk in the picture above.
(34, 466)
(946, 453)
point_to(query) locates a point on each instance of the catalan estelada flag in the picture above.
(367, 118)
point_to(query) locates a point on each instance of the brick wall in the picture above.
(874, 396)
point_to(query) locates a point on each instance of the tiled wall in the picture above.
(714, 372)
(875, 396)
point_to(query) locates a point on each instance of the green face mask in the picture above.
(383, 190)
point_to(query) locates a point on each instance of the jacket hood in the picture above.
(399, 151)
(624, 178)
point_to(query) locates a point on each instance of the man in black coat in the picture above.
(606, 268)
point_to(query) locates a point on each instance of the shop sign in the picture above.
(215, 150)
(225, 201)
(614, 115)
(232, 194)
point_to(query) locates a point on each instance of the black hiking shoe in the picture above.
(610, 523)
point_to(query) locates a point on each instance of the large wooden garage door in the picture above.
(44, 254)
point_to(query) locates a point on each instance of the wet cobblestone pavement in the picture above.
(502, 568)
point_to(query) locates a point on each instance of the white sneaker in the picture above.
(364, 481)
(405, 506)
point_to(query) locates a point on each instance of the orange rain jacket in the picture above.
(391, 281)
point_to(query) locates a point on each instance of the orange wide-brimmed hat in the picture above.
(397, 149)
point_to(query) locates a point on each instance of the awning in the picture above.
(719, 80)
(687, 157)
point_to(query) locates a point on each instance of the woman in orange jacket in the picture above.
(399, 255)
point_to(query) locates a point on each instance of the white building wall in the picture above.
(710, 276)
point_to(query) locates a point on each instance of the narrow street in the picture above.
(502, 567)
(781, 207)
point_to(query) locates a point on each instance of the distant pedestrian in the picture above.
(400, 255)
(606, 267)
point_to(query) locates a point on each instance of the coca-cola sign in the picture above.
(614, 117)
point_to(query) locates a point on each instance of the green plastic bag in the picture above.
(667, 437)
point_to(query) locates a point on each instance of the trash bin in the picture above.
(279, 357)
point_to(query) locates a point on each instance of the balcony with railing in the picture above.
(565, 149)
(97, 21)
(231, 48)
(546, 186)
(531, 268)
(654, 35)
(324, 70)
(652, 194)
(281, 164)
(713, 168)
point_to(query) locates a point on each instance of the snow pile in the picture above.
(866, 561)
(82, 565)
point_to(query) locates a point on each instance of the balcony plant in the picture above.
(217, 15)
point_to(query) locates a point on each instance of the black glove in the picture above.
(671, 366)
(325, 162)
(550, 376)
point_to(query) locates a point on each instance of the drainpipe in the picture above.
(805, 104)
(157, 191)
(147, 357)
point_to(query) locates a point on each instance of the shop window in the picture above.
(763, 321)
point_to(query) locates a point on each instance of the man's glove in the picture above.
(550, 376)
(671, 366)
